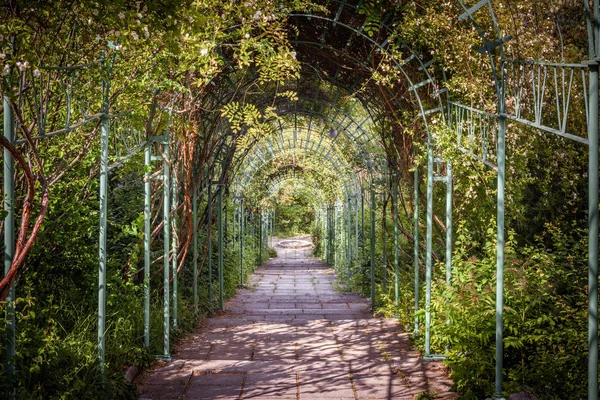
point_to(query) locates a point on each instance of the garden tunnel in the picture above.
(365, 117)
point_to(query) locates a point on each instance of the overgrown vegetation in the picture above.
(258, 105)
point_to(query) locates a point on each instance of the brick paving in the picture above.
(292, 336)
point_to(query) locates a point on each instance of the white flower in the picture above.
(22, 65)
(37, 73)
(247, 36)
(2, 56)
(137, 21)
(89, 21)
(191, 19)
(257, 15)
(146, 32)
(294, 55)
(121, 15)
(203, 52)
(187, 35)
(98, 38)
(135, 35)
(6, 70)
(168, 16)
(140, 16)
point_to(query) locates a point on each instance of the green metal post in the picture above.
(416, 243)
(593, 230)
(356, 235)
(372, 248)
(241, 224)
(209, 243)
(147, 233)
(9, 236)
(260, 238)
(166, 248)
(500, 255)
(362, 214)
(220, 227)
(384, 243)
(175, 245)
(195, 239)
(104, 135)
(429, 245)
(448, 222)
(396, 250)
(348, 234)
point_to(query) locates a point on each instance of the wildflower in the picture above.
(135, 35)
(121, 15)
(98, 38)
(140, 16)
(137, 21)
(146, 32)
(203, 52)
(22, 65)
(2, 56)
(294, 55)
(6, 70)
(247, 36)
(36, 73)
(257, 15)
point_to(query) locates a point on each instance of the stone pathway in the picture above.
(292, 336)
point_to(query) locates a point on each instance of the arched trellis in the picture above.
(459, 116)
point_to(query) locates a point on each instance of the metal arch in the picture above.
(430, 80)
(248, 175)
(262, 154)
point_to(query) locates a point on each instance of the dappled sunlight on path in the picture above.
(292, 336)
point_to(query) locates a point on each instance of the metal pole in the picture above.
(260, 238)
(166, 246)
(209, 243)
(175, 245)
(593, 232)
(396, 250)
(448, 222)
(104, 134)
(500, 255)
(429, 244)
(372, 248)
(9, 236)
(241, 242)
(147, 233)
(195, 239)
(220, 227)
(416, 244)
(384, 242)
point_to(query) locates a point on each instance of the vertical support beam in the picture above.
(9, 236)
(260, 238)
(147, 233)
(416, 243)
(209, 242)
(220, 228)
(429, 245)
(241, 242)
(104, 134)
(396, 249)
(175, 245)
(593, 228)
(166, 248)
(195, 239)
(448, 223)
(348, 235)
(372, 242)
(384, 243)
(356, 235)
(362, 214)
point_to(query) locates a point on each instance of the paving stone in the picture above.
(295, 337)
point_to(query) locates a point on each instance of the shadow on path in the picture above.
(292, 336)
